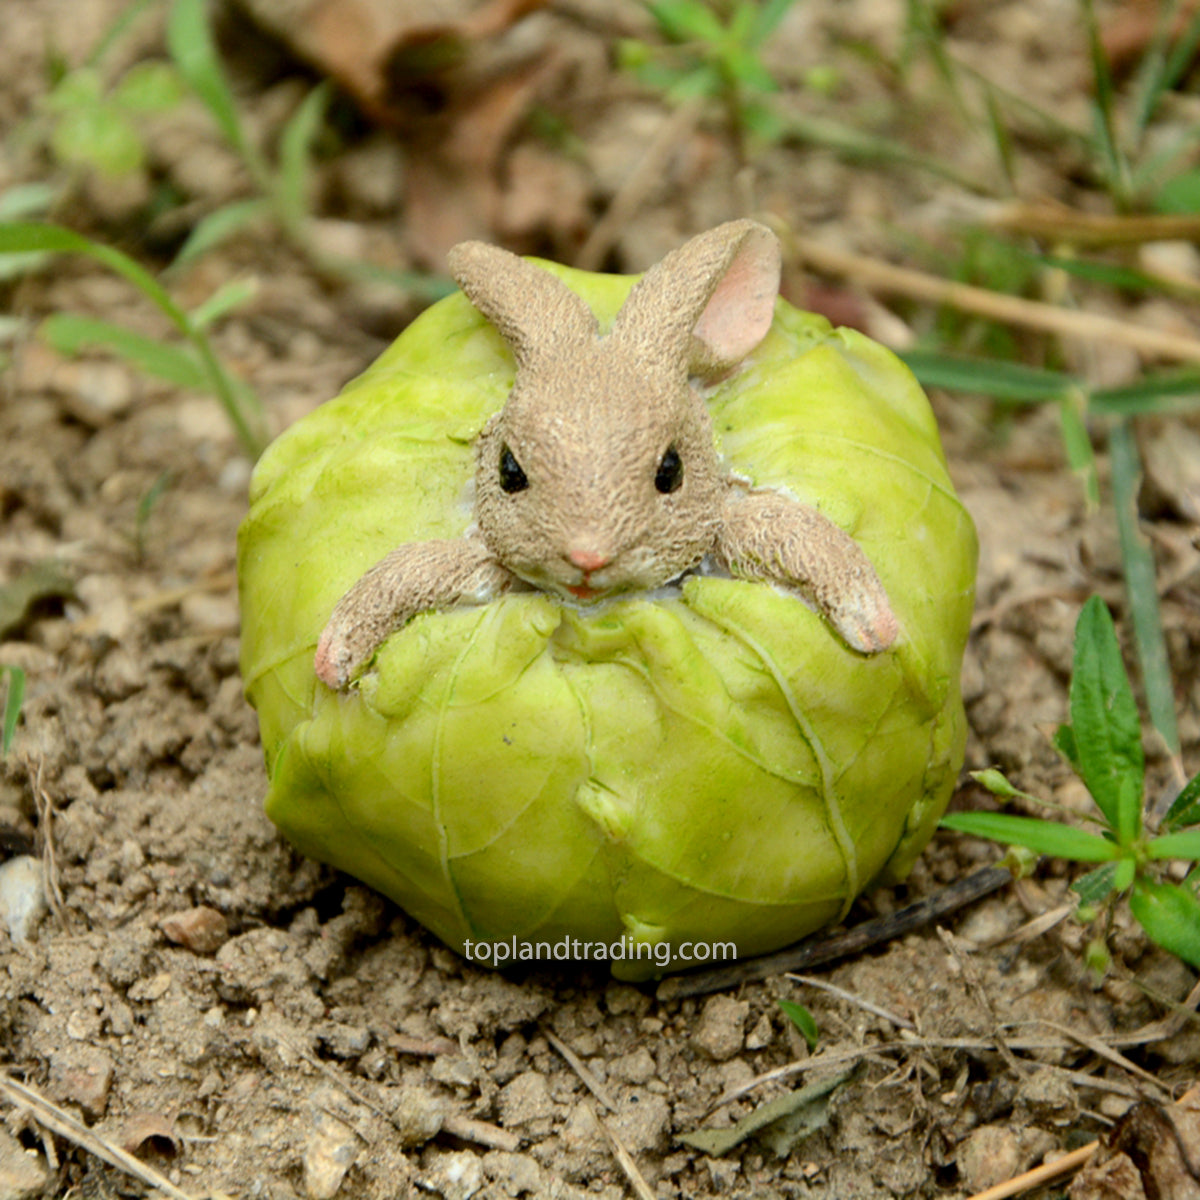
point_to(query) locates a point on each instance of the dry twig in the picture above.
(456, 1124)
(581, 1069)
(637, 1180)
(66, 1126)
(1048, 1172)
(46, 813)
(877, 276)
(866, 1005)
(638, 185)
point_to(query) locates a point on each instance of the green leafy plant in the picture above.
(1136, 170)
(282, 185)
(194, 364)
(14, 697)
(97, 127)
(802, 1019)
(715, 57)
(1103, 743)
(1084, 411)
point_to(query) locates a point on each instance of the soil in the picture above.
(252, 1024)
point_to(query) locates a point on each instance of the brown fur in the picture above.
(589, 421)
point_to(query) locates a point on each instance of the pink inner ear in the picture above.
(739, 314)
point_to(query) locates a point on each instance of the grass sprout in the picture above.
(1103, 744)
(194, 364)
(14, 697)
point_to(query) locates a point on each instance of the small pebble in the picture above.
(23, 1173)
(457, 1175)
(719, 1031)
(989, 1156)
(329, 1153)
(417, 1116)
(22, 896)
(202, 930)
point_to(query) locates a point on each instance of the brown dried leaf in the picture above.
(140, 1129)
(43, 581)
(1151, 1152)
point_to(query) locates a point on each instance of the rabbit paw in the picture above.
(768, 536)
(414, 577)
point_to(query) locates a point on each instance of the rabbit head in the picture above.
(600, 474)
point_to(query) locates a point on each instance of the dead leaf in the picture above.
(810, 1104)
(46, 580)
(1151, 1151)
(139, 1130)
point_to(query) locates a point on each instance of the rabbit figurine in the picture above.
(600, 474)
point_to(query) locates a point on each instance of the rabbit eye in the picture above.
(669, 475)
(512, 478)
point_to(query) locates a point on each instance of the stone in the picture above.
(457, 1175)
(23, 1173)
(637, 1067)
(417, 1115)
(22, 897)
(989, 1156)
(329, 1152)
(525, 1099)
(719, 1032)
(202, 930)
(82, 1075)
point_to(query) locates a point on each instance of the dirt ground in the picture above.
(252, 1024)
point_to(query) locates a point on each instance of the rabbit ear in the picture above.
(709, 303)
(535, 312)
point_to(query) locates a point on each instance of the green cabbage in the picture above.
(708, 766)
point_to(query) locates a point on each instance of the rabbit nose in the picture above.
(588, 560)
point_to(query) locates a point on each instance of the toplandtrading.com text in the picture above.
(568, 949)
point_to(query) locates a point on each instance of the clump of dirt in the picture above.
(253, 1024)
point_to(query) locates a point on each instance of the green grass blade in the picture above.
(1105, 723)
(1141, 586)
(1081, 458)
(26, 200)
(1170, 916)
(1005, 381)
(219, 226)
(1104, 112)
(1151, 79)
(70, 334)
(224, 300)
(1174, 391)
(117, 30)
(802, 1019)
(1045, 837)
(687, 20)
(997, 783)
(767, 18)
(190, 41)
(1001, 139)
(429, 287)
(1167, 71)
(295, 144)
(856, 146)
(1185, 845)
(13, 699)
(1064, 743)
(244, 415)
(26, 237)
(1114, 275)
(1185, 809)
